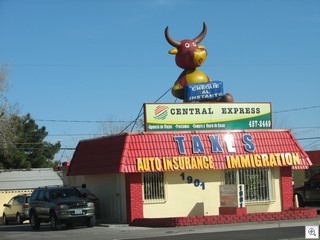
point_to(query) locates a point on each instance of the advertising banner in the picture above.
(206, 116)
(203, 91)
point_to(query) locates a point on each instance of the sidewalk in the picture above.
(125, 231)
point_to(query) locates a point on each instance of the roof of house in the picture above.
(28, 179)
(119, 153)
(314, 156)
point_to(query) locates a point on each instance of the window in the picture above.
(153, 187)
(256, 183)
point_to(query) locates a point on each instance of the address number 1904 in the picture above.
(260, 124)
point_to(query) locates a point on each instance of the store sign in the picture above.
(263, 160)
(206, 116)
(202, 157)
(203, 91)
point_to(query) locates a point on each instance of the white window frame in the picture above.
(153, 187)
(257, 182)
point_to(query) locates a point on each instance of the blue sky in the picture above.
(100, 60)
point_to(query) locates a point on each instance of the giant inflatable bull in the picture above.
(189, 56)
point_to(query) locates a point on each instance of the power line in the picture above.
(82, 121)
(297, 109)
(131, 121)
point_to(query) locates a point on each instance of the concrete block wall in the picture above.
(290, 214)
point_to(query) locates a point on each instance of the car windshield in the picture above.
(27, 199)
(65, 193)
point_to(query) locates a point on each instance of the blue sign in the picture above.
(203, 91)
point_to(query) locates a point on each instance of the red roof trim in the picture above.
(119, 153)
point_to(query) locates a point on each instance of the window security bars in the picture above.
(256, 182)
(153, 187)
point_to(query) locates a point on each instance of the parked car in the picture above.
(309, 193)
(60, 205)
(17, 209)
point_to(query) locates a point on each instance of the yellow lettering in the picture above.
(164, 162)
(288, 159)
(284, 163)
(205, 162)
(228, 162)
(175, 163)
(235, 161)
(151, 161)
(252, 161)
(158, 164)
(193, 163)
(139, 165)
(211, 164)
(146, 165)
(181, 163)
(199, 162)
(272, 160)
(257, 160)
(169, 164)
(278, 159)
(296, 159)
(265, 160)
(245, 161)
(188, 164)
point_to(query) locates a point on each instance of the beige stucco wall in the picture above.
(6, 195)
(183, 199)
(110, 190)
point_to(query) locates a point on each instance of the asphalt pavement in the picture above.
(145, 232)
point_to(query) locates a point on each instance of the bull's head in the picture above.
(188, 54)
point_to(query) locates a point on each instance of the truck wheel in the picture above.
(54, 222)
(34, 221)
(19, 219)
(5, 219)
(91, 222)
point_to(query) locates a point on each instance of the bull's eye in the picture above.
(187, 45)
(194, 44)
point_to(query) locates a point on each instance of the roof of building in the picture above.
(28, 179)
(314, 156)
(119, 153)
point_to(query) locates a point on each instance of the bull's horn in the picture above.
(201, 36)
(170, 40)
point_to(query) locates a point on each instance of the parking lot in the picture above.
(25, 232)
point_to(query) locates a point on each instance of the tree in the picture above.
(114, 126)
(28, 148)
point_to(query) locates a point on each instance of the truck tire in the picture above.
(54, 222)
(34, 221)
(91, 222)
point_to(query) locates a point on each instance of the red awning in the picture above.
(155, 151)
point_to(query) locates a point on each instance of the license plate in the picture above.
(78, 212)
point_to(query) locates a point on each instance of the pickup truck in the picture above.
(309, 193)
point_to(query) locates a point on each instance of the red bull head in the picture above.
(189, 54)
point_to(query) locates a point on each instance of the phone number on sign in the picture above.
(260, 124)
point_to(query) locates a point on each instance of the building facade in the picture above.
(174, 178)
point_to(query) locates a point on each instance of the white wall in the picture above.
(183, 199)
(110, 189)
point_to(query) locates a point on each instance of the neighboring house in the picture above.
(14, 182)
(300, 176)
(162, 178)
